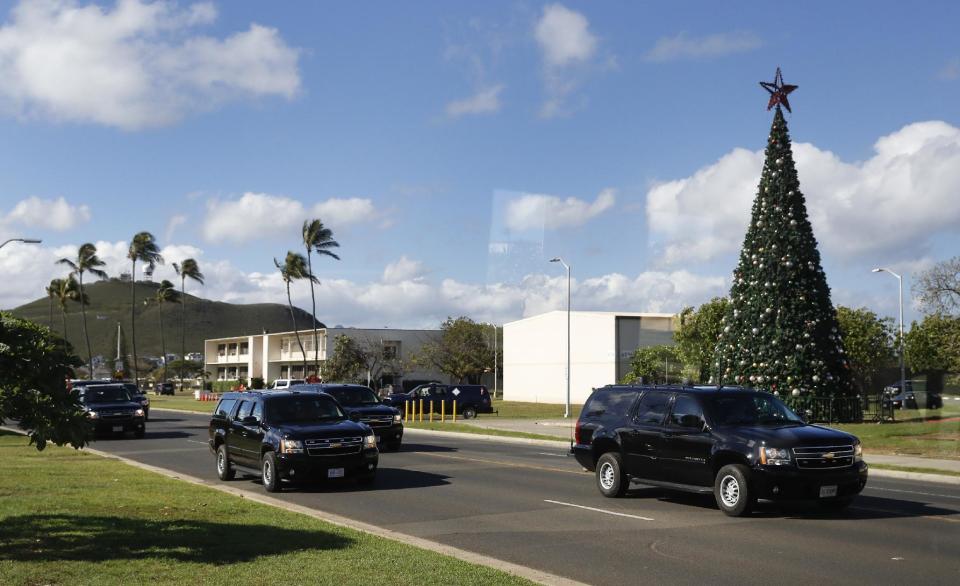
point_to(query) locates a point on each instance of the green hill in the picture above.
(110, 303)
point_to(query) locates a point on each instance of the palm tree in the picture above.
(51, 295)
(87, 261)
(166, 293)
(295, 268)
(68, 290)
(188, 269)
(320, 240)
(144, 248)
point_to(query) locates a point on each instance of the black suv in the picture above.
(471, 399)
(136, 395)
(383, 419)
(913, 399)
(739, 444)
(110, 409)
(292, 436)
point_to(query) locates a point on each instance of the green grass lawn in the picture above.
(524, 410)
(69, 517)
(934, 433)
(184, 401)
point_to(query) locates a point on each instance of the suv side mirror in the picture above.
(249, 420)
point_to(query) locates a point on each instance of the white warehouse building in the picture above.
(601, 344)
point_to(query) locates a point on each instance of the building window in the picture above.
(391, 350)
(242, 373)
(221, 349)
(285, 345)
(244, 348)
(232, 350)
(221, 373)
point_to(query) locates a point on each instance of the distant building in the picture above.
(601, 344)
(277, 355)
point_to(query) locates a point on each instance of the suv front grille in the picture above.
(824, 457)
(378, 420)
(333, 446)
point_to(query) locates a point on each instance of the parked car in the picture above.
(110, 409)
(136, 395)
(471, 399)
(289, 435)
(286, 383)
(913, 399)
(362, 400)
(738, 444)
(163, 389)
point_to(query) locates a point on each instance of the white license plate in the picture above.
(335, 473)
(117, 428)
(828, 491)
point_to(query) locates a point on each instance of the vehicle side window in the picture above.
(686, 413)
(246, 408)
(652, 408)
(258, 410)
(610, 401)
(225, 408)
(439, 391)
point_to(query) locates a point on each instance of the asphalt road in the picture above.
(534, 506)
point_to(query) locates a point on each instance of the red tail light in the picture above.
(483, 390)
(576, 432)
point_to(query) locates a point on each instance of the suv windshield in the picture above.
(302, 409)
(104, 394)
(745, 409)
(353, 395)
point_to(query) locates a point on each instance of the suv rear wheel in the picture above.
(469, 412)
(611, 480)
(732, 490)
(224, 470)
(270, 474)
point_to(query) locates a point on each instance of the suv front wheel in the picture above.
(270, 474)
(732, 490)
(611, 479)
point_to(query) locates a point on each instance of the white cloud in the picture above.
(227, 220)
(537, 211)
(892, 204)
(134, 65)
(53, 214)
(566, 46)
(173, 223)
(485, 101)
(683, 46)
(404, 269)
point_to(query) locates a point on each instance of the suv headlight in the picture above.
(774, 456)
(93, 415)
(138, 412)
(857, 453)
(370, 441)
(291, 446)
(397, 418)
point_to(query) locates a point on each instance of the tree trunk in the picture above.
(63, 314)
(313, 312)
(296, 331)
(86, 336)
(163, 341)
(133, 321)
(183, 325)
(50, 321)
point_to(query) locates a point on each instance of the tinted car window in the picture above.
(246, 408)
(745, 409)
(225, 407)
(258, 410)
(615, 401)
(353, 395)
(302, 409)
(653, 407)
(686, 413)
(104, 394)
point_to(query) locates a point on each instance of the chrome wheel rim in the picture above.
(221, 465)
(729, 491)
(267, 472)
(607, 476)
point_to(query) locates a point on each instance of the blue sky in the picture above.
(621, 136)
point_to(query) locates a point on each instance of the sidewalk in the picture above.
(562, 429)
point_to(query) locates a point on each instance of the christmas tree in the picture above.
(780, 330)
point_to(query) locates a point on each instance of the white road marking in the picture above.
(946, 496)
(549, 454)
(197, 442)
(599, 510)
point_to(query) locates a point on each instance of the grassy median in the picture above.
(68, 517)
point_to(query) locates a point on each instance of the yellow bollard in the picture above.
(421, 410)
(454, 410)
(406, 411)
(443, 411)
(431, 411)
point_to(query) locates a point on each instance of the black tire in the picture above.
(469, 412)
(140, 432)
(611, 479)
(225, 471)
(837, 504)
(732, 490)
(269, 473)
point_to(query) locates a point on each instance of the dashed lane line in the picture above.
(596, 510)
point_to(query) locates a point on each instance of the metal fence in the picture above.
(829, 409)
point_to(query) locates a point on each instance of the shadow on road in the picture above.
(387, 479)
(407, 447)
(101, 538)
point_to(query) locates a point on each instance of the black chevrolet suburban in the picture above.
(471, 399)
(739, 444)
(111, 409)
(289, 435)
(383, 419)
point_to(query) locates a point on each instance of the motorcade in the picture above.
(385, 420)
(915, 396)
(741, 445)
(110, 409)
(286, 383)
(136, 395)
(471, 399)
(163, 389)
(290, 436)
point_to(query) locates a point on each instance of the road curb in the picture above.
(924, 477)
(531, 574)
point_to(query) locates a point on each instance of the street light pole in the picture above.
(23, 240)
(566, 412)
(903, 371)
(495, 367)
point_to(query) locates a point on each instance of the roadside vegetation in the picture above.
(70, 517)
